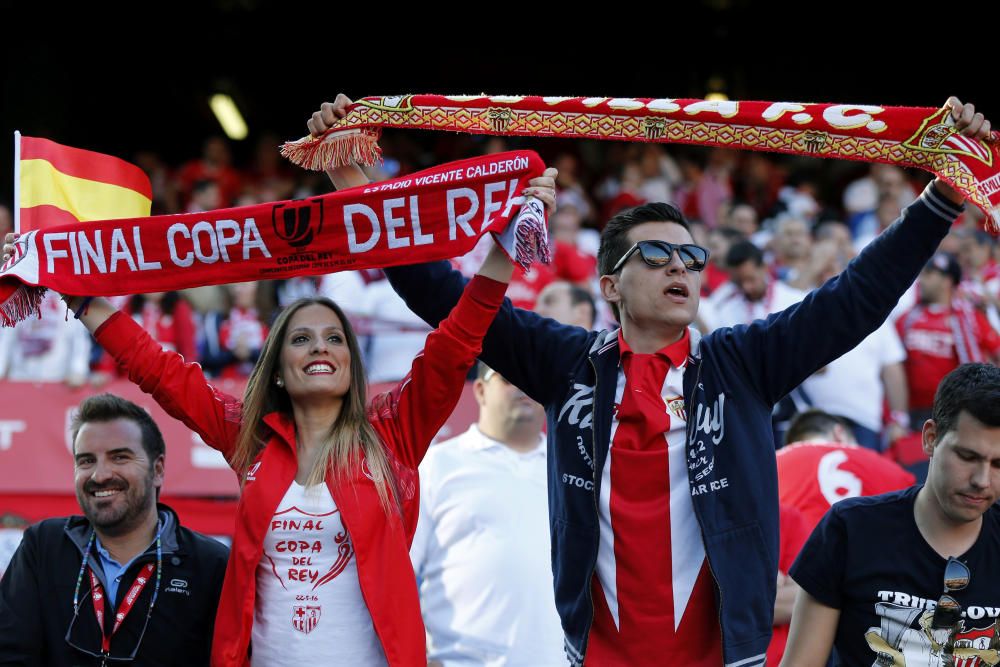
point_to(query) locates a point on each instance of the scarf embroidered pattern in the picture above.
(904, 136)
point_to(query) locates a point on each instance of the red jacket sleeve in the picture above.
(408, 417)
(988, 336)
(179, 388)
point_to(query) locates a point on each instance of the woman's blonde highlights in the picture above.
(351, 437)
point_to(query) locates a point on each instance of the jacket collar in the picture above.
(283, 427)
(608, 339)
(676, 353)
(78, 530)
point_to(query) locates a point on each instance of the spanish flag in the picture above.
(57, 184)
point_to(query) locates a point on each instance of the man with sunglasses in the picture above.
(125, 583)
(909, 577)
(667, 547)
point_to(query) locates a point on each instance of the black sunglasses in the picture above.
(659, 253)
(948, 611)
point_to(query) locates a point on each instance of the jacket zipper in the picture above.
(701, 524)
(597, 514)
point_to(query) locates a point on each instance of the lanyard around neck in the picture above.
(97, 591)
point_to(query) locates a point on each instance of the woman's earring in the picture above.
(279, 382)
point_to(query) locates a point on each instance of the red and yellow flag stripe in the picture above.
(60, 184)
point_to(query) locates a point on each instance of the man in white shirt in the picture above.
(481, 550)
(751, 294)
(854, 386)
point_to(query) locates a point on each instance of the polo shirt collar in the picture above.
(477, 440)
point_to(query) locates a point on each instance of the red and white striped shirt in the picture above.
(653, 592)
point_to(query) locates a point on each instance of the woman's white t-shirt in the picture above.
(309, 605)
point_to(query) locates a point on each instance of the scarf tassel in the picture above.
(530, 236)
(335, 149)
(24, 302)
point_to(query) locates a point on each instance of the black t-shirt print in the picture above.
(868, 559)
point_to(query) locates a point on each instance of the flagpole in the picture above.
(17, 182)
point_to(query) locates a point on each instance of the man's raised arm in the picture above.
(522, 346)
(780, 352)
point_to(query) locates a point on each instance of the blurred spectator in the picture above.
(214, 165)
(839, 235)
(941, 332)
(743, 218)
(575, 249)
(207, 298)
(205, 196)
(791, 245)
(873, 223)
(980, 273)
(481, 548)
(271, 177)
(758, 183)
(659, 173)
(168, 319)
(798, 197)
(276, 294)
(719, 241)
(855, 385)
(47, 348)
(706, 185)
(626, 192)
(822, 464)
(873, 370)
(567, 303)
(864, 194)
(750, 295)
(231, 339)
(165, 196)
(570, 190)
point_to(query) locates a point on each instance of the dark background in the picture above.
(121, 79)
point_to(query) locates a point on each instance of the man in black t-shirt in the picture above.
(872, 575)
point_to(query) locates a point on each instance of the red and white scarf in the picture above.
(919, 137)
(433, 214)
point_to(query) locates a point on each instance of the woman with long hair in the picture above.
(319, 567)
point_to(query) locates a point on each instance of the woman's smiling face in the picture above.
(315, 357)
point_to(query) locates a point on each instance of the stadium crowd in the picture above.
(776, 228)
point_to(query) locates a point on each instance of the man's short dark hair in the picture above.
(614, 236)
(974, 388)
(578, 295)
(812, 423)
(108, 407)
(742, 252)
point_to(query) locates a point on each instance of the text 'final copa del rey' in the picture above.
(220, 238)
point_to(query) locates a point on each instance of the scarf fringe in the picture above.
(335, 149)
(21, 304)
(531, 237)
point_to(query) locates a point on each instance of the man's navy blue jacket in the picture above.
(733, 378)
